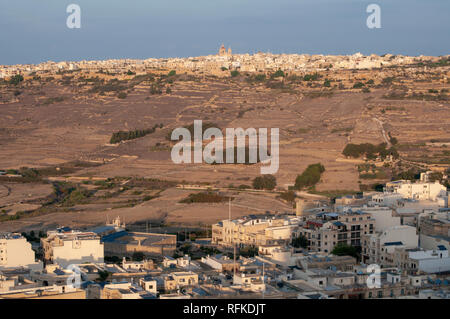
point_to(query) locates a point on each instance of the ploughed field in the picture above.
(62, 125)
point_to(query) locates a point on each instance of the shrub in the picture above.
(358, 85)
(310, 177)
(207, 197)
(278, 74)
(369, 150)
(16, 79)
(122, 95)
(234, 73)
(288, 196)
(311, 77)
(345, 250)
(300, 242)
(265, 182)
(117, 137)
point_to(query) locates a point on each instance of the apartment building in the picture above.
(326, 230)
(16, 251)
(66, 246)
(378, 248)
(254, 230)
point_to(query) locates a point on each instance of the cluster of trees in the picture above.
(358, 85)
(117, 137)
(122, 95)
(411, 174)
(206, 197)
(234, 73)
(369, 150)
(205, 126)
(32, 236)
(265, 182)
(246, 159)
(311, 77)
(277, 85)
(258, 78)
(310, 177)
(68, 194)
(278, 74)
(300, 242)
(113, 85)
(345, 250)
(392, 139)
(288, 196)
(16, 79)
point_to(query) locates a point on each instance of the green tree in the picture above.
(103, 275)
(345, 250)
(172, 73)
(234, 73)
(358, 85)
(300, 242)
(278, 74)
(138, 256)
(265, 182)
(16, 79)
(310, 177)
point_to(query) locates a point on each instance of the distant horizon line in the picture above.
(199, 56)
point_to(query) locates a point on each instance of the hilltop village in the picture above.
(224, 60)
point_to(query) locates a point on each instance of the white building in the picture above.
(418, 191)
(182, 262)
(429, 261)
(249, 282)
(377, 248)
(65, 247)
(15, 251)
(384, 217)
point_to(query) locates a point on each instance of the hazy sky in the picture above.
(32, 31)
